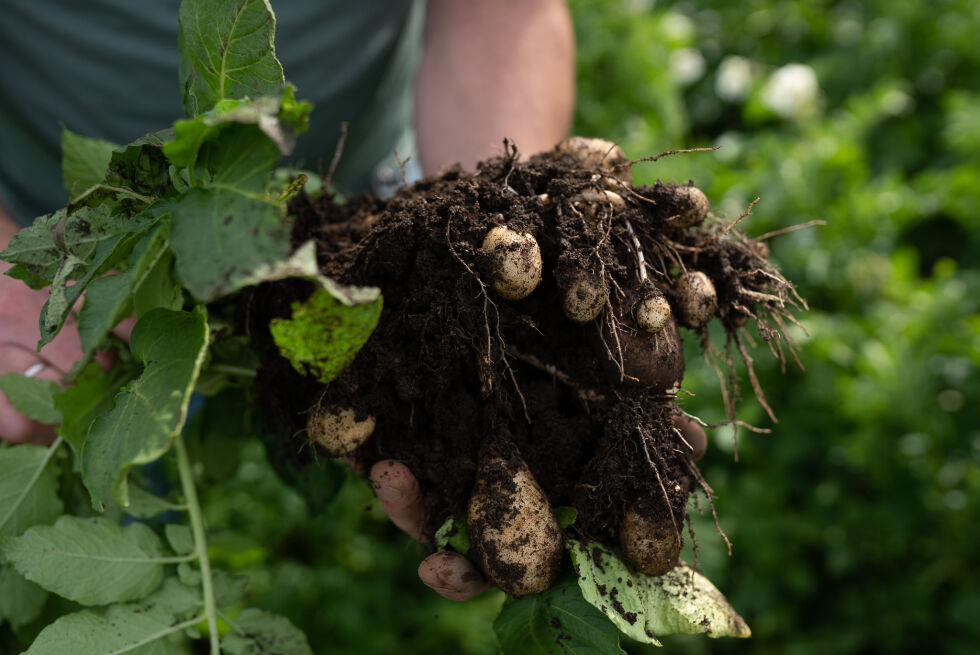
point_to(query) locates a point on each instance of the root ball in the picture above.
(697, 299)
(516, 261)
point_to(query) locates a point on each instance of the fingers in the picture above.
(399, 493)
(452, 576)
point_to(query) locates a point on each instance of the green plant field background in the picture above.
(856, 522)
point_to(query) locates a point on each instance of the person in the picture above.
(442, 81)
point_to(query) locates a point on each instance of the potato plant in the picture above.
(525, 361)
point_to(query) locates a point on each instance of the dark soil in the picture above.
(452, 367)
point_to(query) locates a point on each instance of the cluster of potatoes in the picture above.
(514, 534)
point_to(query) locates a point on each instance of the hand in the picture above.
(449, 574)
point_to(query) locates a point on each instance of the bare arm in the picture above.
(493, 69)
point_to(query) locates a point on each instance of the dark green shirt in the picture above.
(108, 69)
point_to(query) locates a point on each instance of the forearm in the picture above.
(493, 69)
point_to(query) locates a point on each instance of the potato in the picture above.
(515, 537)
(516, 262)
(697, 299)
(691, 206)
(338, 431)
(653, 312)
(584, 298)
(654, 360)
(589, 200)
(695, 442)
(650, 547)
(598, 154)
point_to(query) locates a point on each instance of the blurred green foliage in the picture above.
(855, 523)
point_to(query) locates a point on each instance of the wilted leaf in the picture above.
(151, 411)
(92, 561)
(682, 601)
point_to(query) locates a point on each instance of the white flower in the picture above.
(791, 91)
(734, 79)
(686, 65)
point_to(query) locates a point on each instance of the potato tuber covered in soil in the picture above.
(528, 354)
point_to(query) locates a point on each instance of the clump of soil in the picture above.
(453, 366)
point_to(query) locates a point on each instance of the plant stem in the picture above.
(200, 540)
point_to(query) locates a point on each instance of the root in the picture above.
(586, 395)
(337, 154)
(672, 152)
(728, 228)
(756, 387)
(708, 491)
(656, 469)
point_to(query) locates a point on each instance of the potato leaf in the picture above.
(84, 161)
(90, 396)
(682, 601)
(28, 489)
(92, 561)
(227, 51)
(141, 166)
(139, 628)
(256, 632)
(22, 600)
(556, 622)
(453, 534)
(151, 411)
(32, 397)
(324, 335)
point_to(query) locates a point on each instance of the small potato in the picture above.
(654, 360)
(653, 312)
(695, 440)
(651, 548)
(584, 298)
(516, 261)
(338, 431)
(691, 206)
(697, 299)
(515, 537)
(598, 154)
(589, 201)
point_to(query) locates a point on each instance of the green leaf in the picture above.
(145, 505)
(141, 166)
(83, 401)
(141, 628)
(34, 251)
(151, 411)
(275, 120)
(28, 488)
(228, 589)
(159, 287)
(682, 601)
(566, 515)
(22, 600)
(221, 237)
(84, 161)
(453, 534)
(255, 632)
(558, 621)
(227, 51)
(92, 561)
(108, 299)
(32, 397)
(180, 538)
(92, 240)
